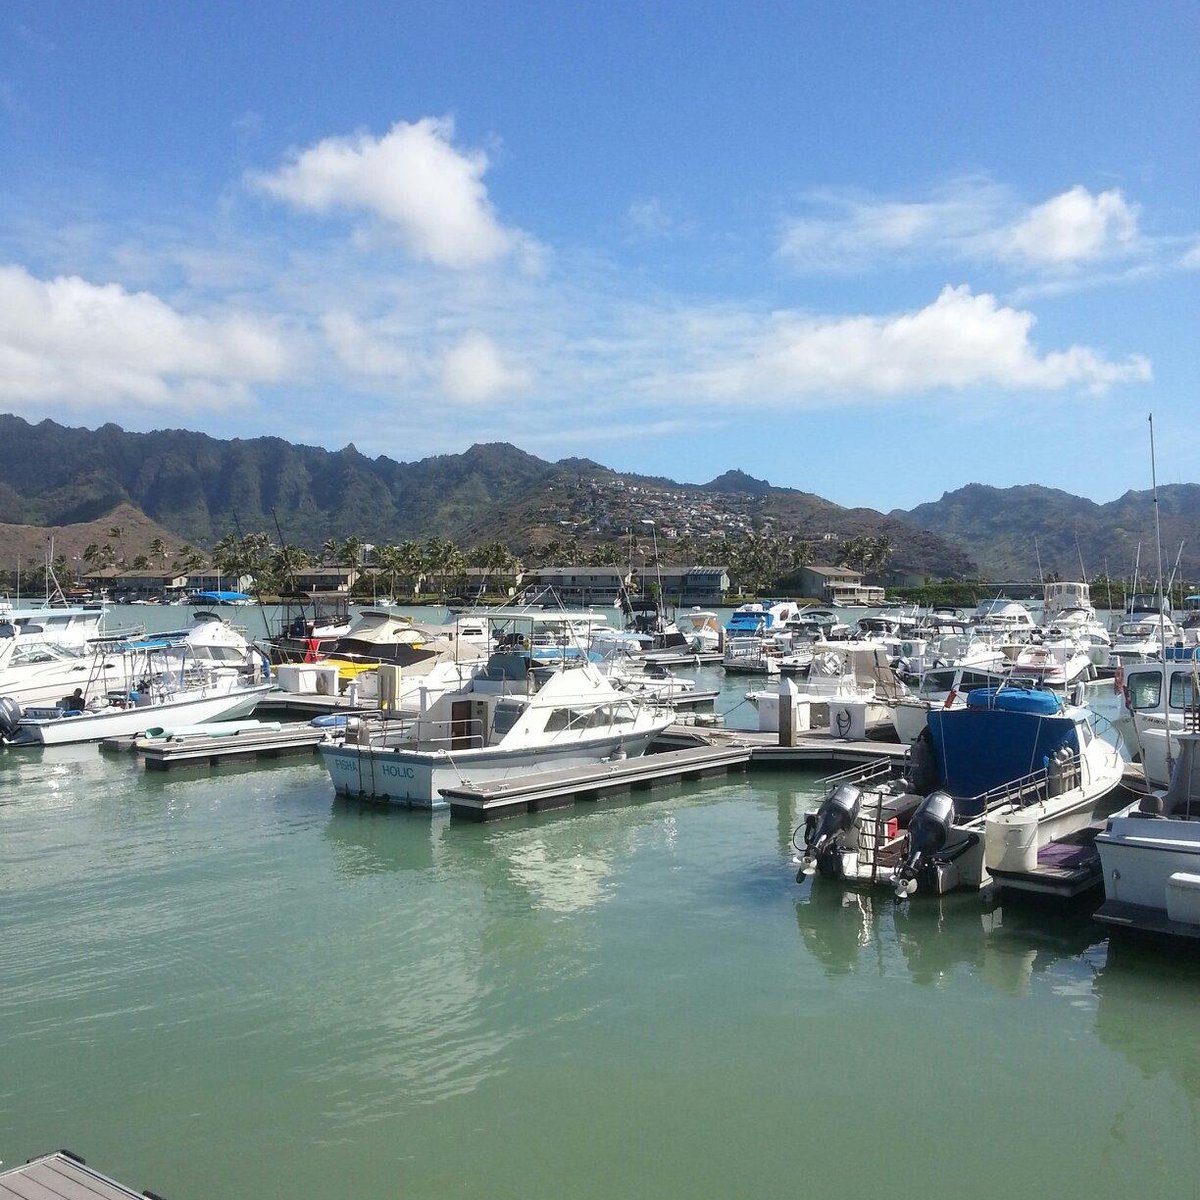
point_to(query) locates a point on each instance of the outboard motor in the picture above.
(10, 714)
(824, 828)
(928, 832)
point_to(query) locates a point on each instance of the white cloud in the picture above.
(1073, 227)
(66, 340)
(968, 220)
(413, 178)
(473, 371)
(959, 341)
(362, 350)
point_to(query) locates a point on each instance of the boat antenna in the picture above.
(1162, 616)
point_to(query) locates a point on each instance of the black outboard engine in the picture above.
(10, 714)
(823, 830)
(928, 832)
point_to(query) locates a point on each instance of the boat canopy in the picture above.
(1002, 735)
(220, 597)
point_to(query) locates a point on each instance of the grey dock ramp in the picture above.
(560, 789)
(61, 1176)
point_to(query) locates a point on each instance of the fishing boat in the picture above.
(35, 671)
(149, 690)
(515, 717)
(1150, 854)
(991, 792)
(1155, 715)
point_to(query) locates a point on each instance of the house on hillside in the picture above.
(580, 585)
(838, 585)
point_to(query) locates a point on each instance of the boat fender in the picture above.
(312, 652)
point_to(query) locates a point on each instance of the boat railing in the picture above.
(870, 775)
(1035, 788)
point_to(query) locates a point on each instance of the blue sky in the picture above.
(870, 251)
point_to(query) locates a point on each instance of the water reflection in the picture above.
(370, 839)
(851, 932)
(1146, 1008)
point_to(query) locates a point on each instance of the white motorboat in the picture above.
(1150, 854)
(1057, 665)
(750, 655)
(1001, 618)
(702, 629)
(1141, 638)
(1148, 726)
(34, 671)
(187, 697)
(74, 627)
(513, 718)
(990, 790)
(945, 687)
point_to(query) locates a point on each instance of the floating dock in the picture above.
(559, 789)
(63, 1176)
(682, 752)
(196, 749)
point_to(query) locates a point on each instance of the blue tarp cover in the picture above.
(221, 597)
(1012, 699)
(979, 749)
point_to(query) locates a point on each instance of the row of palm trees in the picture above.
(758, 560)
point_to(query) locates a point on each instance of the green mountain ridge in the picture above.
(1009, 530)
(195, 486)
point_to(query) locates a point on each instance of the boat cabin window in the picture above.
(1183, 693)
(1145, 689)
(506, 716)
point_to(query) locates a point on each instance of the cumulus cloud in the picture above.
(66, 340)
(362, 350)
(960, 341)
(974, 220)
(474, 372)
(1073, 227)
(413, 178)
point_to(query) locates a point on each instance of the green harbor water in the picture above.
(234, 985)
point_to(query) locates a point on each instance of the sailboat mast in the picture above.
(1162, 616)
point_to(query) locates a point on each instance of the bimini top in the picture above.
(1001, 736)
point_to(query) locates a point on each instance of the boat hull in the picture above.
(414, 778)
(131, 722)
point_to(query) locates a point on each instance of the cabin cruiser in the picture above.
(1056, 665)
(1151, 723)
(515, 717)
(702, 629)
(841, 676)
(35, 671)
(1141, 637)
(74, 627)
(1001, 618)
(761, 618)
(989, 793)
(1150, 854)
